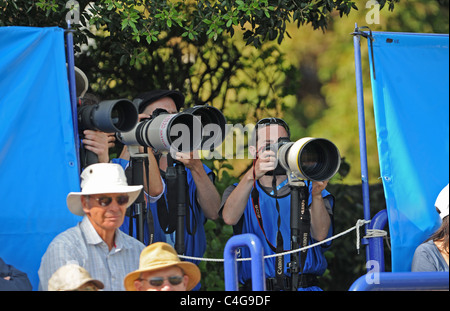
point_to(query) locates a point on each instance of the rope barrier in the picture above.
(359, 223)
(375, 233)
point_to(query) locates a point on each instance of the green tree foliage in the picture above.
(260, 20)
(325, 88)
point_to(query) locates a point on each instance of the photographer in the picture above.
(274, 196)
(94, 141)
(97, 142)
(203, 199)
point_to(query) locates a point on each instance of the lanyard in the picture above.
(279, 186)
(279, 262)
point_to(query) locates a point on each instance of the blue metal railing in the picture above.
(389, 281)
(376, 246)
(257, 263)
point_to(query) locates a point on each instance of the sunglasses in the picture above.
(159, 281)
(104, 201)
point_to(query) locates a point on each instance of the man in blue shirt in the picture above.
(272, 225)
(12, 279)
(203, 199)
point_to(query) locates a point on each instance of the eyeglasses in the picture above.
(104, 201)
(159, 281)
(273, 121)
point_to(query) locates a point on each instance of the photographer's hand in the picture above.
(237, 201)
(190, 160)
(207, 195)
(264, 163)
(318, 187)
(320, 219)
(99, 143)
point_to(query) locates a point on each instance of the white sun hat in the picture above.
(71, 277)
(442, 202)
(101, 178)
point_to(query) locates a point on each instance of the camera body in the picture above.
(279, 170)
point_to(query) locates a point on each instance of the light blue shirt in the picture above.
(83, 246)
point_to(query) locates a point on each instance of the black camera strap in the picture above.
(279, 262)
(167, 212)
(131, 212)
(304, 230)
(150, 223)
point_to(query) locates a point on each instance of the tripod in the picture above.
(300, 224)
(176, 178)
(137, 209)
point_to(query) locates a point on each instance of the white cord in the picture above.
(375, 233)
(359, 223)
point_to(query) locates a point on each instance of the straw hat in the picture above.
(159, 256)
(442, 202)
(101, 178)
(71, 277)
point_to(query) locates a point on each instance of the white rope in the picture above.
(375, 233)
(359, 223)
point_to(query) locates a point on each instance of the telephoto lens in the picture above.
(166, 132)
(108, 116)
(315, 159)
(195, 128)
(213, 125)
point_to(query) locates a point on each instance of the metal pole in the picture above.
(72, 87)
(362, 128)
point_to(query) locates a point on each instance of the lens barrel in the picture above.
(199, 127)
(315, 159)
(108, 116)
(213, 125)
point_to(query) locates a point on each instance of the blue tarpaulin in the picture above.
(410, 85)
(38, 159)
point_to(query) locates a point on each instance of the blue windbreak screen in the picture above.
(410, 85)
(38, 162)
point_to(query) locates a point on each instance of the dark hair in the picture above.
(266, 122)
(441, 234)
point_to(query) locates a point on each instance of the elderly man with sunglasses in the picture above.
(96, 243)
(260, 204)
